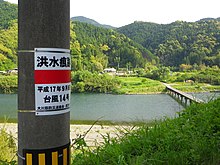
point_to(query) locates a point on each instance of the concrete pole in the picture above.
(42, 24)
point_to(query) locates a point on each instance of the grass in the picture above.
(6, 119)
(195, 87)
(110, 123)
(192, 138)
(139, 85)
(7, 148)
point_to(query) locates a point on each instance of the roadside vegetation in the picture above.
(7, 147)
(191, 138)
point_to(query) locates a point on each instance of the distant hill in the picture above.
(179, 42)
(209, 19)
(8, 12)
(91, 21)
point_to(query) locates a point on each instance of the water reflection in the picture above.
(108, 107)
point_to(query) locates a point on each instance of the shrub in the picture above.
(7, 147)
(8, 84)
(84, 81)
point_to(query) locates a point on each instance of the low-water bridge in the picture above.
(185, 98)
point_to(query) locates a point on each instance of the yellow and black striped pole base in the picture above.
(54, 156)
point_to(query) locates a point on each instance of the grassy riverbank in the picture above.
(139, 85)
(192, 138)
(83, 82)
(195, 87)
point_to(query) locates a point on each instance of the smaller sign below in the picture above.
(51, 99)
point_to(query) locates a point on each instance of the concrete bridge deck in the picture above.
(182, 96)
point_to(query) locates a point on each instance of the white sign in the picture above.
(52, 81)
(52, 59)
(52, 98)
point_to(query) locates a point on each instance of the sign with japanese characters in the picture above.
(52, 81)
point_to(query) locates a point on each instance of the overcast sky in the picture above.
(122, 12)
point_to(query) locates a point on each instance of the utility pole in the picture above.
(44, 82)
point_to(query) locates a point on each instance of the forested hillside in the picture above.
(8, 12)
(94, 48)
(8, 47)
(8, 35)
(179, 42)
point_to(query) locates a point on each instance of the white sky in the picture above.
(122, 12)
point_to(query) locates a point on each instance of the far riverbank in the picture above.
(121, 85)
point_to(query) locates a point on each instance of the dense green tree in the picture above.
(161, 73)
(8, 12)
(8, 47)
(5, 63)
(85, 81)
(170, 52)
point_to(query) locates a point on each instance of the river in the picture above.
(109, 107)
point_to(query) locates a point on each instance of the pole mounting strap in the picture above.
(27, 111)
(26, 51)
